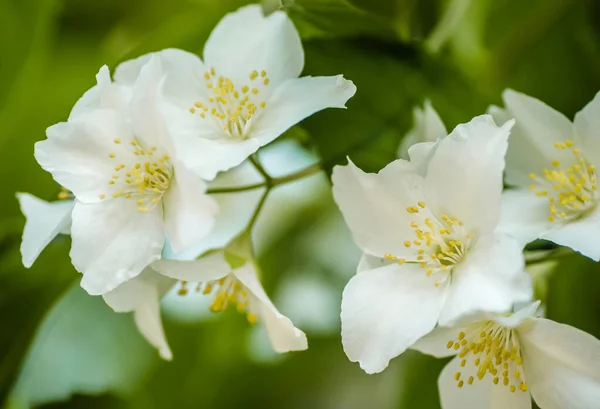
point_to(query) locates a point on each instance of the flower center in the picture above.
(226, 291)
(146, 181)
(570, 190)
(438, 245)
(233, 108)
(493, 350)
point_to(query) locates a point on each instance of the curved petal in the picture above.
(246, 40)
(561, 365)
(464, 177)
(489, 279)
(368, 262)
(148, 321)
(587, 123)
(79, 153)
(281, 331)
(297, 99)
(481, 394)
(386, 310)
(189, 212)
(582, 235)
(537, 128)
(427, 127)
(113, 242)
(45, 221)
(207, 268)
(524, 215)
(435, 342)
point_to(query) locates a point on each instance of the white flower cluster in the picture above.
(443, 266)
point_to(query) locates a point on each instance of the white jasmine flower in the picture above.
(552, 163)
(426, 228)
(244, 94)
(131, 191)
(427, 127)
(504, 360)
(45, 221)
(233, 281)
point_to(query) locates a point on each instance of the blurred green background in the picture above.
(60, 348)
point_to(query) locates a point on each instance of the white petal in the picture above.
(561, 365)
(582, 235)
(77, 153)
(524, 215)
(189, 212)
(368, 262)
(464, 177)
(45, 221)
(245, 40)
(490, 278)
(587, 123)
(386, 310)
(283, 335)
(374, 206)
(297, 99)
(482, 394)
(113, 242)
(500, 115)
(531, 147)
(435, 342)
(528, 310)
(427, 127)
(207, 268)
(147, 318)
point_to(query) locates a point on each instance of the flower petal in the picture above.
(464, 177)
(207, 268)
(77, 153)
(481, 394)
(246, 40)
(386, 310)
(427, 127)
(435, 342)
(374, 206)
(283, 335)
(531, 147)
(489, 279)
(561, 365)
(587, 123)
(582, 235)
(113, 242)
(297, 99)
(524, 215)
(45, 221)
(189, 212)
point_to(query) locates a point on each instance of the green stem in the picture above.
(257, 210)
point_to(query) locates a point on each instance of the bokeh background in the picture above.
(60, 348)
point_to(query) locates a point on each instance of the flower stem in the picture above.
(257, 210)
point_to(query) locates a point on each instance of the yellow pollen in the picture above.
(421, 204)
(111, 155)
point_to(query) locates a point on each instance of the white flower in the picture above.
(427, 127)
(45, 221)
(244, 94)
(552, 163)
(238, 286)
(131, 191)
(504, 360)
(426, 228)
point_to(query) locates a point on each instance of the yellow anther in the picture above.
(263, 73)
(117, 140)
(421, 204)
(407, 243)
(253, 75)
(111, 155)
(556, 163)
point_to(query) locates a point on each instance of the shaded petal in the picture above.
(582, 235)
(368, 262)
(297, 99)
(490, 278)
(435, 342)
(281, 331)
(524, 215)
(189, 212)
(427, 127)
(246, 40)
(464, 177)
(386, 310)
(561, 365)
(482, 394)
(531, 147)
(374, 206)
(587, 123)
(45, 221)
(77, 153)
(207, 268)
(113, 242)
